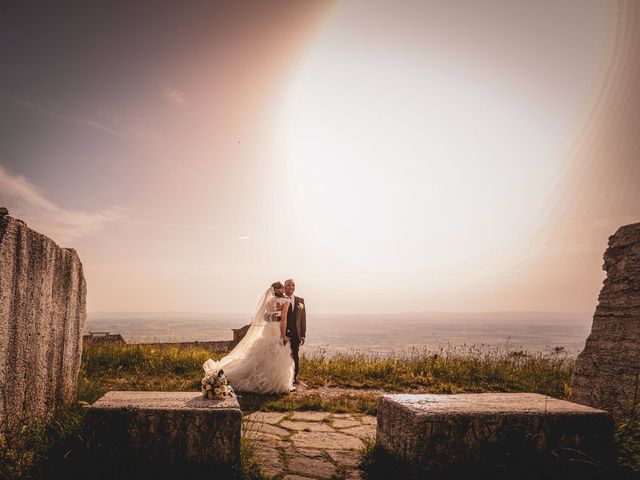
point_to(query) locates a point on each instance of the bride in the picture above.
(261, 362)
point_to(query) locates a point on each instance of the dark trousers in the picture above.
(295, 348)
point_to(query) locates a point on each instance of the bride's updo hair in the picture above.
(276, 288)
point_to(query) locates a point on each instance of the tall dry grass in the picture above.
(447, 370)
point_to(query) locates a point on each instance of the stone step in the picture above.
(161, 434)
(447, 432)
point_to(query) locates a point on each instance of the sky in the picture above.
(389, 156)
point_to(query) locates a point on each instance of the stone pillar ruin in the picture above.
(607, 371)
(42, 315)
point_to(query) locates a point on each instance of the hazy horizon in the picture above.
(377, 333)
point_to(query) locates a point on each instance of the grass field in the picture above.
(453, 370)
(358, 374)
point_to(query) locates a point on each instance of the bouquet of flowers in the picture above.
(215, 385)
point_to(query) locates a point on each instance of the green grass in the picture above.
(139, 367)
(359, 374)
(453, 370)
(250, 468)
(628, 441)
(342, 403)
(29, 452)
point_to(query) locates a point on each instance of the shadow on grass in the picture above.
(286, 403)
(561, 464)
(58, 450)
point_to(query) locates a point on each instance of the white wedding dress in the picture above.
(259, 363)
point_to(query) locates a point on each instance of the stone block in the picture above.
(607, 372)
(465, 431)
(161, 434)
(42, 314)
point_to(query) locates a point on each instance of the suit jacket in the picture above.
(298, 319)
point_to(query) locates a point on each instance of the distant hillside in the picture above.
(528, 330)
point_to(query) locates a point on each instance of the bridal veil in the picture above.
(255, 331)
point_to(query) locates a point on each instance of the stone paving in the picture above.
(309, 445)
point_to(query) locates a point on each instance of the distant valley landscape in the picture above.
(380, 333)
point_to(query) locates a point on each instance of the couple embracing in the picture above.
(266, 359)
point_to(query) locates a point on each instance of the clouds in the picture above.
(174, 96)
(29, 203)
(116, 124)
(172, 225)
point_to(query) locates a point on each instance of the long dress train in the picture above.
(259, 363)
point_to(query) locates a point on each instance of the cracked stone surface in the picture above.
(258, 435)
(310, 416)
(319, 466)
(341, 415)
(270, 461)
(266, 417)
(267, 428)
(362, 431)
(345, 423)
(309, 445)
(346, 458)
(307, 426)
(327, 440)
(367, 420)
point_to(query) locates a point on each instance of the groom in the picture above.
(296, 322)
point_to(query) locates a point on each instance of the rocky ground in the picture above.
(309, 445)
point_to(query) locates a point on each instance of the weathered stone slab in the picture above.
(345, 423)
(446, 432)
(269, 458)
(265, 428)
(342, 415)
(42, 315)
(309, 452)
(326, 440)
(307, 426)
(310, 416)
(607, 372)
(348, 459)
(266, 417)
(261, 437)
(368, 420)
(135, 433)
(315, 466)
(363, 431)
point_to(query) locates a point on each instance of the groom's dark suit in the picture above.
(296, 329)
